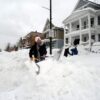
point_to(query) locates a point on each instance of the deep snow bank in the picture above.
(71, 78)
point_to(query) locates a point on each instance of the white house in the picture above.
(83, 23)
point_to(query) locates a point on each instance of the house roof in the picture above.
(83, 5)
(58, 28)
(86, 3)
(47, 25)
(80, 3)
(78, 13)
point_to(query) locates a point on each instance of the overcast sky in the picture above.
(18, 17)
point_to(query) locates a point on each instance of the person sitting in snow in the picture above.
(38, 50)
(66, 52)
(74, 50)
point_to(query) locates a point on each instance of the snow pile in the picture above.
(82, 50)
(14, 76)
(96, 47)
(71, 78)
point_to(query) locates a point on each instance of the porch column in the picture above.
(70, 25)
(70, 43)
(96, 23)
(64, 35)
(89, 31)
(96, 37)
(80, 38)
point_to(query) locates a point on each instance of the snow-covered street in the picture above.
(71, 78)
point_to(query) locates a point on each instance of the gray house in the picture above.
(57, 35)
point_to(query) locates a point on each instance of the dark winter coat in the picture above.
(66, 52)
(34, 51)
(74, 51)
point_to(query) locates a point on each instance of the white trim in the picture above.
(64, 34)
(96, 4)
(89, 30)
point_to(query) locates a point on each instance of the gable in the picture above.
(86, 4)
(47, 25)
(80, 4)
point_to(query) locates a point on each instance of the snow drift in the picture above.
(71, 78)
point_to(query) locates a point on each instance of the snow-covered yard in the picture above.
(71, 78)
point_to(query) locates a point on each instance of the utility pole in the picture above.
(50, 31)
(50, 34)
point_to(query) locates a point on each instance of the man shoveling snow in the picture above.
(38, 51)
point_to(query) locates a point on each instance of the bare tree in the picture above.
(7, 47)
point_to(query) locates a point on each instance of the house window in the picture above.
(47, 35)
(77, 27)
(85, 25)
(85, 39)
(66, 40)
(92, 22)
(98, 20)
(54, 33)
(66, 31)
(98, 37)
(54, 44)
(93, 37)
